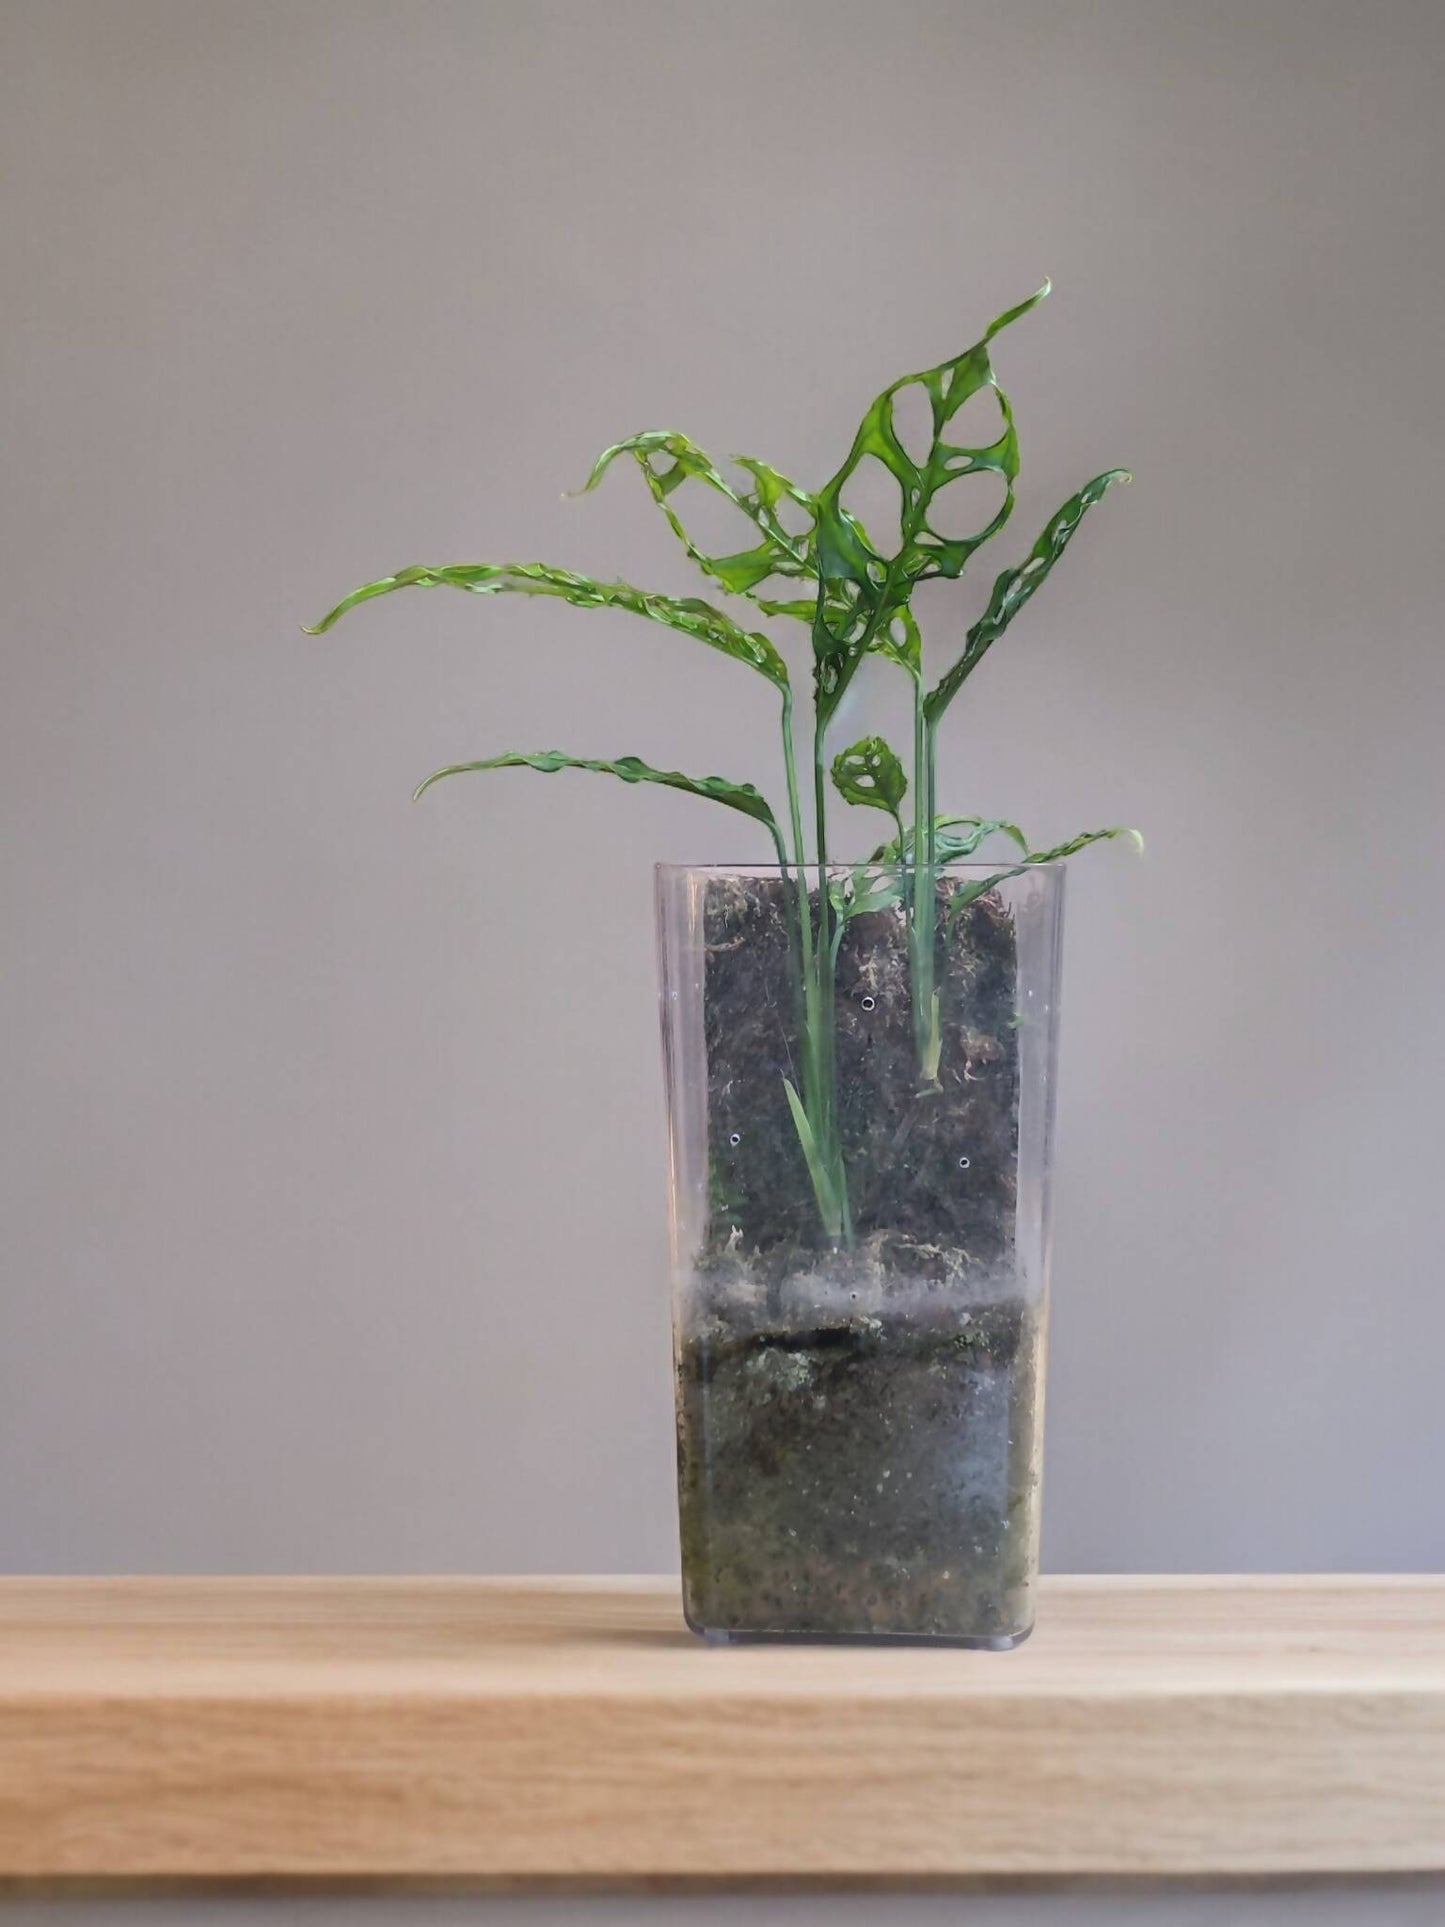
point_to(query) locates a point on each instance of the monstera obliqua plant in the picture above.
(855, 600)
(859, 1055)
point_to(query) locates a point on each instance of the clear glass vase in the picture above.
(860, 1122)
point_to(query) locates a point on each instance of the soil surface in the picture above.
(858, 1428)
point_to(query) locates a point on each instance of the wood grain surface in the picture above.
(571, 1729)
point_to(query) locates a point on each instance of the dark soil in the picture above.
(903, 1152)
(858, 1429)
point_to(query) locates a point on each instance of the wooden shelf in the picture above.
(508, 1731)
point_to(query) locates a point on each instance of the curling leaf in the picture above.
(1082, 842)
(1015, 586)
(965, 893)
(801, 609)
(959, 837)
(862, 590)
(864, 890)
(954, 839)
(688, 615)
(868, 772)
(631, 769)
(668, 459)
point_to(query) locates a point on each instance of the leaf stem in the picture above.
(790, 764)
(802, 909)
(815, 1112)
(821, 1005)
(922, 922)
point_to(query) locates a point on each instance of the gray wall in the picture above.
(332, 1183)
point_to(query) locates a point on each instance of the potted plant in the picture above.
(859, 1063)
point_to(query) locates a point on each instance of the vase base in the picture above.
(964, 1642)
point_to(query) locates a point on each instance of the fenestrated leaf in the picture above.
(900, 641)
(965, 893)
(1015, 586)
(781, 553)
(688, 615)
(955, 838)
(631, 769)
(774, 488)
(668, 458)
(869, 773)
(862, 590)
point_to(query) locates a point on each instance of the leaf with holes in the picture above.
(688, 615)
(631, 769)
(902, 509)
(668, 459)
(900, 641)
(863, 589)
(1015, 586)
(869, 773)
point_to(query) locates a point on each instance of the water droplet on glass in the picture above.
(963, 1164)
(869, 1003)
(736, 1138)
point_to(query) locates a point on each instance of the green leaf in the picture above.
(900, 641)
(959, 837)
(869, 773)
(954, 839)
(1015, 586)
(862, 590)
(668, 458)
(688, 615)
(862, 891)
(965, 893)
(631, 769)
(1082, 842)
(829, 1207)
(873, 893)
(800, 611)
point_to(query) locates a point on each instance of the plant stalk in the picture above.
(816, 1111)
(821, 1014)
(923, 917)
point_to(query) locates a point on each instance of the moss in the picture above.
(861, 1480)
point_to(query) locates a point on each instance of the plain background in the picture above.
(331, 1196)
